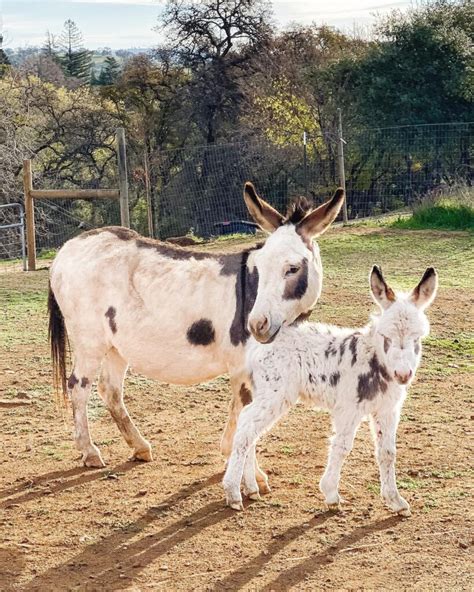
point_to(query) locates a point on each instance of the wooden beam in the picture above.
(74, 194)
(123, 177)
(30, 215)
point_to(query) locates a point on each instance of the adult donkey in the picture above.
(175, 314)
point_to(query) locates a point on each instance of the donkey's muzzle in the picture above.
(263, 330)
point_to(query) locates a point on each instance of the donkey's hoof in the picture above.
(239, 506)
(93, 461)
(405, 512)
(336, 507)
(263, 487)
(254, 495)
(142, 455)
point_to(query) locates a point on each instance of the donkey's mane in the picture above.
(298, 208)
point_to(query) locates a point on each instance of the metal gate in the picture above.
(12, 237)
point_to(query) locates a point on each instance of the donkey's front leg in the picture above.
(384, 429)
(254, 420)
(345, 427)
(241, 397)
(79, 387)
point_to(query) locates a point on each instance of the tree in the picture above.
(216, 40)
(75, 60)
(4, 61)
(421, 70)
(110, 72)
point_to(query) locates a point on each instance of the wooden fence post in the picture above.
(30, 215)
(123, 177)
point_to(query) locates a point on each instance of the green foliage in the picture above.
(421, 69)
(446, 214)
(109, 73)
(74, 59)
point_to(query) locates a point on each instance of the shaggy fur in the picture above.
(346, 371)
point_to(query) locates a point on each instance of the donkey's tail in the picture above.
(58, 340)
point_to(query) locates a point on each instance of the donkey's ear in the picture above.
(424, 294)
(383, 295)
(319, 219)
(264, 215)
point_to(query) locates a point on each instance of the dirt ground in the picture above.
(164, 525)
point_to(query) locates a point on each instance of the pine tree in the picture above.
(4, 61)
(110, 72)
(75, 60)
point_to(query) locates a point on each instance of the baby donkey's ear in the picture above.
(424, 293)
(383, 295)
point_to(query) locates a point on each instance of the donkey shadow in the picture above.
(291, 577)
(103, 565)
(57, 481)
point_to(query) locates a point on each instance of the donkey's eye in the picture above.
(292, 270)
(386, 343)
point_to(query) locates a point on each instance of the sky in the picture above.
(129, 23)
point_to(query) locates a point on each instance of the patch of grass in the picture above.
(445, 214)
(409, 484)
(448, 355)
(374, 488)
(429, 503)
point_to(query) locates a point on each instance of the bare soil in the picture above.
(164, 526)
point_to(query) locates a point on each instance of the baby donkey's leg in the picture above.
(254, 420)
(384, 429)
(345, 427)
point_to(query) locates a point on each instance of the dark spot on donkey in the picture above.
(331, 349)
(246, 287)
(334, 378)
(353, 347)
(374, 381)
(111, 314)
(201, 332)
(245, 395)
(297, 284)
(72, 381)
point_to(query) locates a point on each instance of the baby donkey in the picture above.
(351, 373)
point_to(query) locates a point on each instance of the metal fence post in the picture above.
(30, 215)
(149, 212)
(123, 177)
(340, 163)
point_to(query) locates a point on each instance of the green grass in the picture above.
(445, 214)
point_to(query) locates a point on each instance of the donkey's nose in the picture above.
(260, 326)
(403, 377)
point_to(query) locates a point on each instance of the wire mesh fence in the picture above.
(198, 190)
(58, 220)
(389, 168)
(12, 237)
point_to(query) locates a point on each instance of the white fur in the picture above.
(316, 364)
(157, 299)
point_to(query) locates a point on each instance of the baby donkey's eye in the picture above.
(292, 270)
(386, 343)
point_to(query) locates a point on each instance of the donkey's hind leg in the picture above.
(110, 389)
(79, 387)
